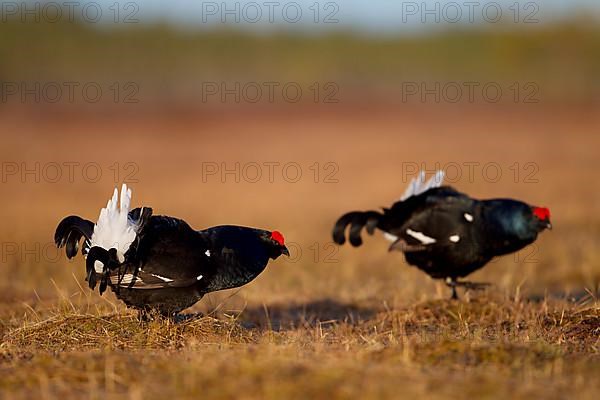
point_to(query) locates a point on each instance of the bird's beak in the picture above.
(285, 251)
(549, 226)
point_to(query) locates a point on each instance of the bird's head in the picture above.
(541, 218)
(275, 244)
(515, 220)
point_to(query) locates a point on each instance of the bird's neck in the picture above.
(234, 271)
(507, 231)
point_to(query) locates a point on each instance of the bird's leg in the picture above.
(473, 285)
(451, 283)
(454, 295)
(144, 315)
(187, 317)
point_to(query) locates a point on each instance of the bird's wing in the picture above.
(439, 221)
(141, 279)
(396, 216)
(169, 253)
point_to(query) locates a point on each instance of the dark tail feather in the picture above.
(357, 220)
(95, 254)
(70, 231)
(109, 261)
(141, 216)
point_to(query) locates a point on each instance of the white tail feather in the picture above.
(113, 229)
(418, 185)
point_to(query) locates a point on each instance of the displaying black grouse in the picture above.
(445, 233)
(161, 263)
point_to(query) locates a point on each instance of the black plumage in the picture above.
(448, 234)
(170, 266)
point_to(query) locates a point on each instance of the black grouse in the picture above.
(445, 233)
(155, 262)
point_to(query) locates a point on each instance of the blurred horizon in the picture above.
(230, 53)
(160, 64)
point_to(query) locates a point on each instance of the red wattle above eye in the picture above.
(278, 237)
(542, 213)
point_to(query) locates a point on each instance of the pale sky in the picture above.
(374, 16)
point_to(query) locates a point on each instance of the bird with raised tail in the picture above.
(445, 233)
(155, 262)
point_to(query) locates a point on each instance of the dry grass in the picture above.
(365, 325)
(488, 347)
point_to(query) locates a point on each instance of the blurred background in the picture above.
(284, 115)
